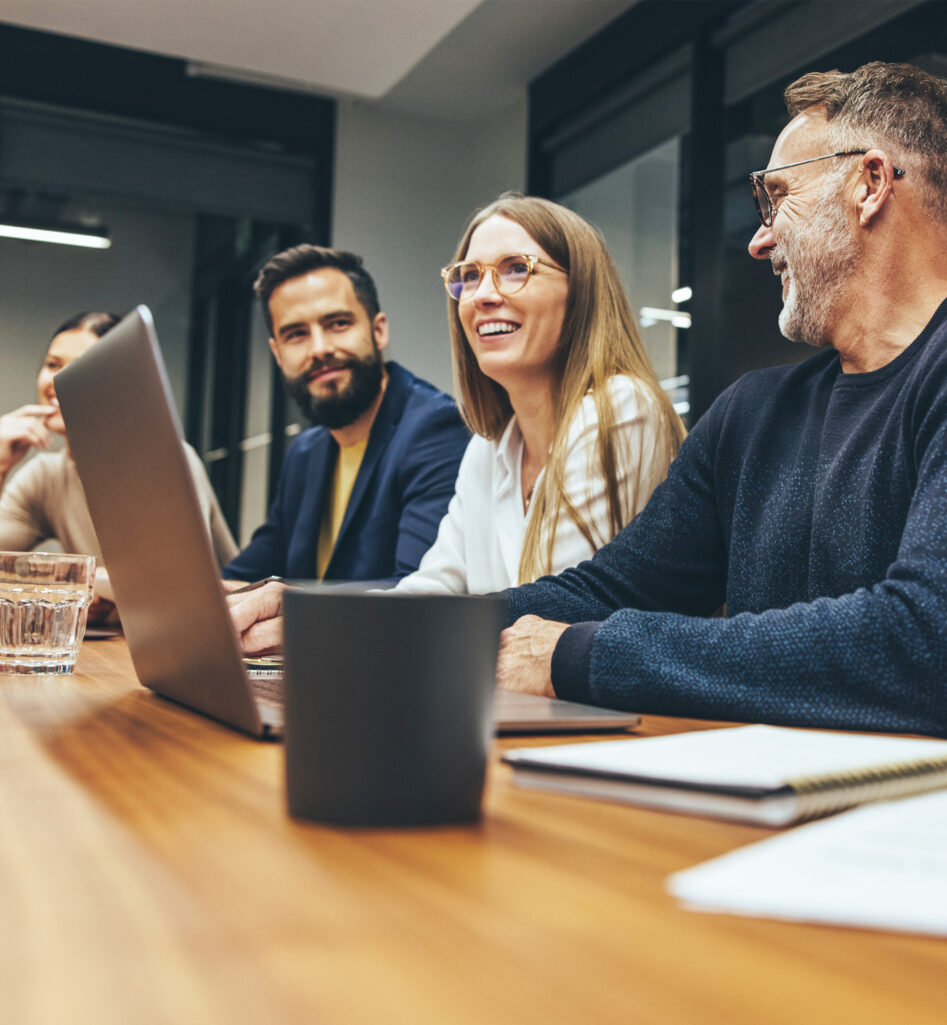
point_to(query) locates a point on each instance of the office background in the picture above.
(380, 128)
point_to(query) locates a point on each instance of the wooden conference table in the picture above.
(149, 873)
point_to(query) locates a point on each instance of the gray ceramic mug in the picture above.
(388, 705)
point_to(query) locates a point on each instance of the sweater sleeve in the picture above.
(23, 523)
(873, 659)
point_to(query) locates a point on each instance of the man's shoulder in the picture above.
(931, 344)
(302, 445)
(766, 399)
(770, 384)
(419, 393)
(767, 378)
(421, 402)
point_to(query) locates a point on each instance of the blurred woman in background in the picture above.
(44, 499)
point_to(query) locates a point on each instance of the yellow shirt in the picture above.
(343, 480)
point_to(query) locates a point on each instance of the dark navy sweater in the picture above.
(813, 504)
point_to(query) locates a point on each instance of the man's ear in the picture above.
(274, 348)
(876, 185)
(380, 330)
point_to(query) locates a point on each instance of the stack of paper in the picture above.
(878, 867)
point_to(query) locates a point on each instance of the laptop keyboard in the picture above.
(267, 687)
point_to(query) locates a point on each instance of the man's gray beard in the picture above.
(821, 256)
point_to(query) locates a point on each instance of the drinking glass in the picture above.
(44, 602)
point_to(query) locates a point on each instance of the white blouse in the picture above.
(480, 539)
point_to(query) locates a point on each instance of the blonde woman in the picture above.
(572, 431)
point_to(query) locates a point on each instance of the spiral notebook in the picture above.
(766, 775)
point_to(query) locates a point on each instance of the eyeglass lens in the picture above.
(509, 276)
(763, 206)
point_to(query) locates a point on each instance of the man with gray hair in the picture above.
(810, 500)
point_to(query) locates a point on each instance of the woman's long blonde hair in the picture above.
(599, 340)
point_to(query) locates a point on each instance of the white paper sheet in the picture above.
(883, 866)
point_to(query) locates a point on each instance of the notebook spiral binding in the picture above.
(826, 793)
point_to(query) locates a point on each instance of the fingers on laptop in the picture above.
(265, 638)
(233, 585)
(257, 615)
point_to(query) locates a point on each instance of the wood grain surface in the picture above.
(149, 874)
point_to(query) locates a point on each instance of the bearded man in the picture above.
(811, 500)
(361, 493)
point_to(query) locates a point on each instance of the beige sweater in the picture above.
(43, 500)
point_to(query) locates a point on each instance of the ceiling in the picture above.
(448, 59)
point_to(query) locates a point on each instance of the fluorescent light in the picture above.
(656, 313)
(257, 441)
(681, 408)
(653, 313)
(670, 383)
(222, 73)
(97, 238)
(681, 295)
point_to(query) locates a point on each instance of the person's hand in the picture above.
(525, 660)
(103, 612)
(21, 430)
(233, 585)
(258, 617)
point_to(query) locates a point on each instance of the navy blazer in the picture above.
(399, 498)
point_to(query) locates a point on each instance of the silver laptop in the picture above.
(125, 437)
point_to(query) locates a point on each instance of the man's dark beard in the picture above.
(346, 405)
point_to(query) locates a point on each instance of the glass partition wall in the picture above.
(635, 206)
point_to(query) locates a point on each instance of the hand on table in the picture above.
(102, 611)
(21, 430)
(258, 617)
(525, 660)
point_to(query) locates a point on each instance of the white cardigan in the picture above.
(480, 539)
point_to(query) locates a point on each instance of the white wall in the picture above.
(404, 190)
(41, 285)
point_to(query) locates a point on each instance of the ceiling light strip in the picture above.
(60, 237)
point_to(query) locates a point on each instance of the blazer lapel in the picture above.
(386, 423)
